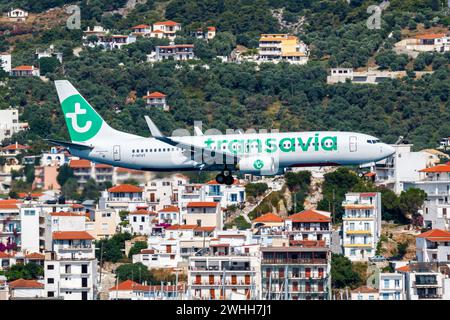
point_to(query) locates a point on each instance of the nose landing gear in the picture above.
(225, 177)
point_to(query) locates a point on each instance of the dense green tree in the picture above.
(24, 271)
(134, 271)
(342, 273)
(136, 248)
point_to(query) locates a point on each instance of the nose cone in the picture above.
(388, 150)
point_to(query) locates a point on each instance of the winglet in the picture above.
(197, 131)
(153, 128)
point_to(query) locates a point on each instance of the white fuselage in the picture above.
(289, 149)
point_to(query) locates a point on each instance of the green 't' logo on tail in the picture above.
(83, 122)
(258, 164)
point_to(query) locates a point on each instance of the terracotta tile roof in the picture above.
(202, 204)
(72, 235)
(157, 31)
(438, 168)
(126, 170)
(130, 285)
(214, 182)
(125, 188)
(309, 216)
(80, 163)
(368, 194)
(15, 147)
(170, 209)
(127, 285)
(66, 214)
(26, 284)
(147, 251)
(35, 256)
(166, 23)
(23, 195)
(370, 174)
(435, 235)
(430, 36)
(23, 68)
(77, 206)
(205, 229)
(103, 166)
(269, 217)
(8, 206)
(141, 26)
(364, 289)
(404, 269)
(4, 255)
(155, 94)
(211, 28)
(140, 212)
(182, 227)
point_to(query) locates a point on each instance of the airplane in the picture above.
(256, 153)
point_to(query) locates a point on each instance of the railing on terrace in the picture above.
(293, 261)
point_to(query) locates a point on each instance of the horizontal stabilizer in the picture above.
(66, 144)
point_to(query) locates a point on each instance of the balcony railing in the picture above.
(218, 269)
(293, 261)
(220, 283)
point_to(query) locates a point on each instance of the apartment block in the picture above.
(178, 52)
(9, 123)
(124, 197)
(391, 286)
(433, 246)
(295, 272)
(282, 47)
(361, 225)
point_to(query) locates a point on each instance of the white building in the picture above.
(204, 214)
(9, 123)
(164, 192)
(364, 293)
(23, 289)
(48, 53)
(165, 29)
(433, 245)
(310, 226)
(170, 215)
(391, 286)
(31, 228)
(125, 197)
(341, 75)
(435, 181)
(361, 225)
(156, 100)
(403, 167)
(141, 221)
(55, 156)
(25, 71)
(130, 290)
(426, 281)
(71, 268)
(17, 15)
(5, 62)
(223, 194)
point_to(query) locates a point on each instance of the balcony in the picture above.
(221, 270)
(226, 283)
(293, 261)
(428, 283)
(358, 232)
(430, 296)
(358, 245)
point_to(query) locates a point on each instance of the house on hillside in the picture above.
(17, 15)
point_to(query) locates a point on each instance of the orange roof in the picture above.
(155, 94)
(438, 168)
(358, 206)
(430, 36)
(370, 174)
(77, 206)
(80, 163)
(4, 255)
(16, 147)
(404, 269)
(236, 181)
(157, 31)
(166, 23)
(66, 214)
(202, 204)
(125, 188)
(435, 235)
(8, 206)
(182, 227)
(72, 235)
(269, 217)
(33, 195)
(35, 256)
(26, 284)
(126, 170)
(141, 26)
(170, 209)
(127, 285)
(211, 28)
(140, 212)
(205, 229)
(147, 251)
(309, 216)
(23, 68)
(102, 166)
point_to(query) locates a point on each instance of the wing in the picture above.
(203, 156)
(69, 144)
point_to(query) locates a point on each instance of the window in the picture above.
(50, 267)
(397, 283)
(50, 294)
(50, 280)
(386, 283)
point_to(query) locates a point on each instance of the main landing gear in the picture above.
(225, 177)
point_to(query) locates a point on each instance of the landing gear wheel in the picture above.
(220, 178)
(229, 180)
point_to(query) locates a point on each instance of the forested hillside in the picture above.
(228, 95)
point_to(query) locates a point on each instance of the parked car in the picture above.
(377, 259)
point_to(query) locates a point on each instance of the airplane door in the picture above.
(353, 144)
(116, 153)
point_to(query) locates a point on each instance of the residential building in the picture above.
(435, 181)
(402, 167)
(71, 266)
(364, 293)
(431, 42)
(55, 157)
(177, 52)
(141, 221)
(124, 197)
(225, 195)
(433, 246)
(45, 178)
(361, 225)
(268, 225)
(156, 100)
(204, 214)
(10, 224)
(220, 273)
(23, 289)
(141, 30)
(9, 123)
(444, 144)
(49, 53)
(169, 215)
(426, 280)
(108, 41)
(17, 15)
(4, 288)
(105, 224)
(95, 31)
(295, 272)
(165, 29)
(25, 71)
(391, 286)
(164, 192)
(5, 62)
(282, 47)
(207, 33)
(130, 290)
(310, 225)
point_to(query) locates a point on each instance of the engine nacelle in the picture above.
(258, 165)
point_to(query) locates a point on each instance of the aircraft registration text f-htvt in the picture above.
(257, 153)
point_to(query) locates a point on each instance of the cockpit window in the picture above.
(373, 141)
